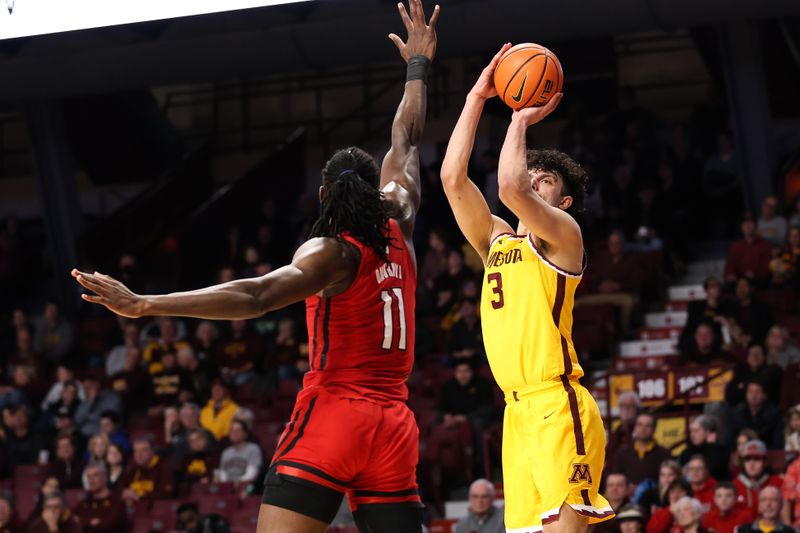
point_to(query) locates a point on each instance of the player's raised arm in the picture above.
(469, 206)
(549, 223)
(318, 264)
(400, 178)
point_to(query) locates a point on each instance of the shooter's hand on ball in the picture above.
(532, 115)
(421, 36)
(110, 293)
(484, 87)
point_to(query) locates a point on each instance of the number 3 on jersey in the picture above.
(389, 297)
(497, 289)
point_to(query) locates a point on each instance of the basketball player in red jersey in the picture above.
(350, 432)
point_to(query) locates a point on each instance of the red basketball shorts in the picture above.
(358, 447)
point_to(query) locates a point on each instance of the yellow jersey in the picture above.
(526, 315)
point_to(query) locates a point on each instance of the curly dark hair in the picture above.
(574, 178)
(352, 201)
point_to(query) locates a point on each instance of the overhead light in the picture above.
(23, 18)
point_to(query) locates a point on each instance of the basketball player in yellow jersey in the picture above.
(553, 436)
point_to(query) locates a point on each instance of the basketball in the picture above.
(528, 75)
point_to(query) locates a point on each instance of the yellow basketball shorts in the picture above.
(553, 452)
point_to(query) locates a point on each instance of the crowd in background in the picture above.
(134, 411)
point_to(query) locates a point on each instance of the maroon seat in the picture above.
(225, 506)
(149, 523)
(212, 489)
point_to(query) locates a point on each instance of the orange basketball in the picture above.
(528, 75)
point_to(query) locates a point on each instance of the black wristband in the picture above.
(418, 67)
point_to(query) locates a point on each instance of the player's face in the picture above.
(724, 499)
(548, 186)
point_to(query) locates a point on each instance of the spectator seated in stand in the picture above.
(483, 516)
(725, 516)
(238, 354)
(755, 368)
(65, 376)
(688, 515)
(98, 401)
(132, 384)
(218, 413)
(177, 425)
(629, 407)
(447, 285)
(117, 467)
(10, 522)
(702, 483)
(750, 319)
(467, 397)
(466, 339)
(109, 425)
(102, 510)
(242, 460)
(748, 257)
(199, 464)
(148, 476)
(169, 341)
(759, 415)
(630, 519)
(651, 495)
(714, 310)
(771, 226)
(55, 517)
(53, 336)
(705, 348)
(22, 444)
(754, 476)
(115, 360)
(619, 280)
(617, 495)
(769, 514)
(703, 434)
(171, 385)
(781, 351)
(67, 465)
(641, 459)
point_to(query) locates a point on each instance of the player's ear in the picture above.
(321, 192)
(566, 202)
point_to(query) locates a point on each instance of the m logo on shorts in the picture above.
(580, 472)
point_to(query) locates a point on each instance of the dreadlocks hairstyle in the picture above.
(573, 177)
(352, 201)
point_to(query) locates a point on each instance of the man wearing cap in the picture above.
(769, 507)
(482, 515)
(754, 475)
(724, 515)
(630, 519)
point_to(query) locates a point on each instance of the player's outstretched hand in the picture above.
(110, 293)
(421, 35)
(533, 115)
(484, 87)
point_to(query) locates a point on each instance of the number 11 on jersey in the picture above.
(389, 297)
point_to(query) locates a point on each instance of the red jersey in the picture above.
(361, 342)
